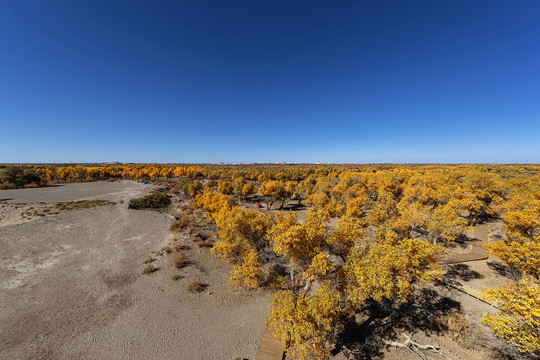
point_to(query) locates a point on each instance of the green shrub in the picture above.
(15, 177)
(153, 201)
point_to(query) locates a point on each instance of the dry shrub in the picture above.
(204, 243)
(148, 269)
(166, 250)
(174, 277)
(182, 223)
(179, 247)
(463, 332)
(187, 208)
(195, 286)
(148, 260)
(179, 260)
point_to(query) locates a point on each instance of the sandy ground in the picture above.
(72, 288)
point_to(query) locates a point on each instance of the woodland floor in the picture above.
(438, 301)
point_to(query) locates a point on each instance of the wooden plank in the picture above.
(270, 348)
(478, 252)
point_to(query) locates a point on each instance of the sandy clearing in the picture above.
(71, 286)
(113, 191)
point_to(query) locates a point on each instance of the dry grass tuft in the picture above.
(148, 269)
(181, 224)
(204, 243)
(179, 260)
(195, 287)
(179, 247)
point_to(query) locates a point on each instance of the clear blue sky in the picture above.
(270, 81)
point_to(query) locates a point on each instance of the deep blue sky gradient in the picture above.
(270, 81)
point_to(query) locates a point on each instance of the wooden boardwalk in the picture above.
(477, 249)
(270, 348)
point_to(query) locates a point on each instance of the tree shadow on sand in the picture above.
(508, 272)
(462, 272)
(462, 241)
(364, 336)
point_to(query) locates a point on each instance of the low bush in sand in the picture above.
(166, 250)
(204, 243)
(174, 277)
(182, 223)
(148, 260)
(153, 201)
(148, 269)
(195, 287)
(179, 247)
(179, 260)
(465, 334)
(461, 330)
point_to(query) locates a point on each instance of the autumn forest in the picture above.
(336, 241)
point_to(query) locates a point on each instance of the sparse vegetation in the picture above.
(166, 250)
(195, 287)
(204, 243)
(180, 247)
(182, 223)
(148, 269)
(82, 204)
(44, 209)
(179, 260)
(462, 332)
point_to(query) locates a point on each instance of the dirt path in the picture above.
(71, 287)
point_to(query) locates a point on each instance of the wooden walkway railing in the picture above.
(271, 349)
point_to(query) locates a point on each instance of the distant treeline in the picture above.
(31, 175)
(12, 177)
